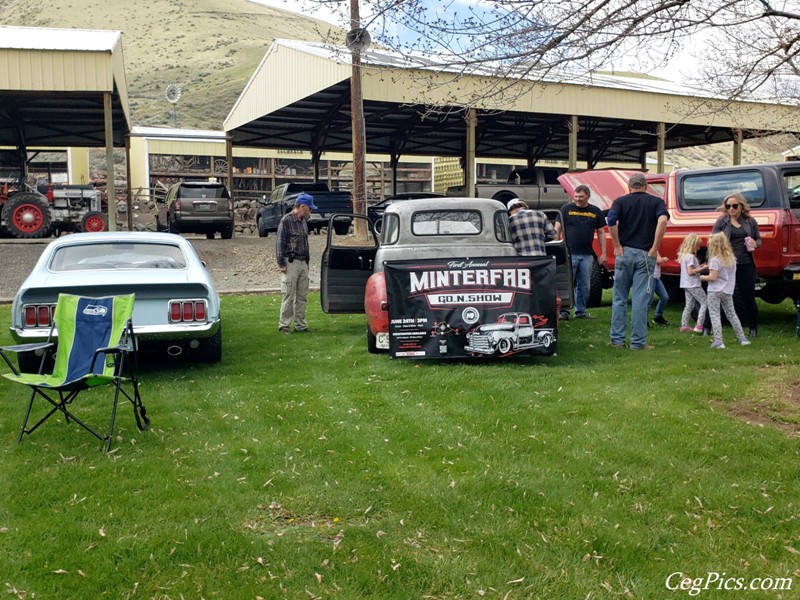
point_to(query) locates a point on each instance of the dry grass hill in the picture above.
(210, 48)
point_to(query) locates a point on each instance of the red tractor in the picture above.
(32, 214)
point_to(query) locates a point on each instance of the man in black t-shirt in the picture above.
(581, 221)
(637, 222)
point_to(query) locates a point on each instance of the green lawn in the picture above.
(304, 467)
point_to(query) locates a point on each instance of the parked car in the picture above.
(177, 308)
(197, 207)
(352, 273)
(375, 212)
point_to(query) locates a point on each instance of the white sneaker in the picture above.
(745, 342)
(718, 345)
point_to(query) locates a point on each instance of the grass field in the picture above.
(304, 467)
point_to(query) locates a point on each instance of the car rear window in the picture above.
(119, 255)
(707, 190)
(203, 192)
(446, 222)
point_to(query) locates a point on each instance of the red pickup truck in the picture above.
(693, 196)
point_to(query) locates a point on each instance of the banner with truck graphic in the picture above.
(478, 307)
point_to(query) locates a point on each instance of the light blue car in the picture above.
(177, 308)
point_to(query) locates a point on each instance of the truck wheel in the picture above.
(262, 231)
(27, 215)
(595, 285)
(210, 235)
(504, 346)
(171, 226)
(226, 233)
(504, 197)
(94, 221)
(372, 343)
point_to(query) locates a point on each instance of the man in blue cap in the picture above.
(292, 254)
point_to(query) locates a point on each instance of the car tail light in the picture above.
(187, 311)
(38, 315)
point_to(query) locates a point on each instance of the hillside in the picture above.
(210, 48)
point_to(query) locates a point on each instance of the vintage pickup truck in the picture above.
(281, 200)
(449, 230)
(693, 196)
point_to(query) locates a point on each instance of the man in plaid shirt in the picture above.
(530, 229)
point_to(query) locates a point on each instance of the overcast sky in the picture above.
(682, 65)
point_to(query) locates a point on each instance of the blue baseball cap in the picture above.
(306, 199)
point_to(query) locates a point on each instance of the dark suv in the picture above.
(197, 207)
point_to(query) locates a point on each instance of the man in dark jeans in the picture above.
(581, 221)
(292, 254)
(637, 222)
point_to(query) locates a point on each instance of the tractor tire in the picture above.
(27, 215)
(94, 221)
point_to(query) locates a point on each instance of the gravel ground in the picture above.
(241, 264)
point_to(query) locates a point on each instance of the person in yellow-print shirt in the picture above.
(581, 221)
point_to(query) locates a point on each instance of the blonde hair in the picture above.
(719, 247)
(689, 245)
(740, 199)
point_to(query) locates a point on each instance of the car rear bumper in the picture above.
(147, 333)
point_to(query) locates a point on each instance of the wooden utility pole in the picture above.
(357, 116)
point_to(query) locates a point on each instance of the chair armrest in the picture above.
(115, 350)
(27, 347)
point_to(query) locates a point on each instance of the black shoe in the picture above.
(284, 330)
(563, 315)
(306, 330)
(660, 320)
(753, 332)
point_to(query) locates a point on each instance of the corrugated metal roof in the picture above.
(53, 83)
(46, 38)
(414, 105)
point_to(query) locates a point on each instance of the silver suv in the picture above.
(197, 207)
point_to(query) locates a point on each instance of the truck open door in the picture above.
(347, 263)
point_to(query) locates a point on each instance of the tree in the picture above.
(749, 47)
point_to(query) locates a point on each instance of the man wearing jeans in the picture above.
(637, 222)
(581, 221)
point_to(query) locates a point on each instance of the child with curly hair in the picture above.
(721, 280)
(690, 282)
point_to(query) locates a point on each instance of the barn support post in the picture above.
(737, 146)
(469, 163)
(111, 192)
(661, 144)
(573, 142)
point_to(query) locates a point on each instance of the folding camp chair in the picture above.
(96, 346)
